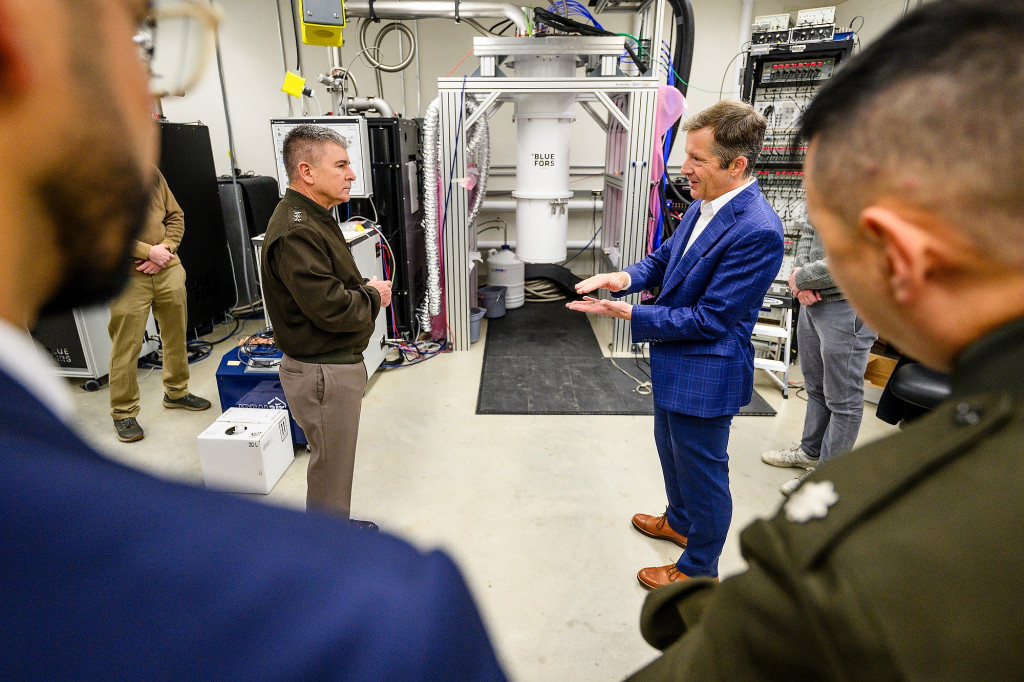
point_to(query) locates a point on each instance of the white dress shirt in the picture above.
(708, 209)
(30, 366)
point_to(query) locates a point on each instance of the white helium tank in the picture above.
(505, 269)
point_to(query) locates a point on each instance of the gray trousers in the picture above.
(325, 401)
(834, 347)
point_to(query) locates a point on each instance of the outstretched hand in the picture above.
(589, 304)
(612, 281)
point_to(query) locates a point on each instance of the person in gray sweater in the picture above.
(834, 345)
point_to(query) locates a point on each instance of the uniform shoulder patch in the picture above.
(297, 215)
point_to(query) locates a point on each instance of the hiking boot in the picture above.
(128, 430)
(187, 402)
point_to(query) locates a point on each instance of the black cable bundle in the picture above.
(197, 350)
(682, 54)
(560, 23)
(565, 25)
(259, 350)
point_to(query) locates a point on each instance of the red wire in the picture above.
(585, 177)
(387, 275)
(460, 63)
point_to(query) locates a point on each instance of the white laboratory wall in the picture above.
(255, 58)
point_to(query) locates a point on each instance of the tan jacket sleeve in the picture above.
(174, 219)
(165, 218)
(141, 250)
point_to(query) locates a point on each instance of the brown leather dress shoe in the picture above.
(657, 527)
(659, 576)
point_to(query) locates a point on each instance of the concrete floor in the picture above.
(535, 510)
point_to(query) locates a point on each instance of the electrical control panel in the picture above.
(795, 70)
(808, 34)
(771, 22)
(817, 15)
(769, 37)
(812, 25)
(779, 84)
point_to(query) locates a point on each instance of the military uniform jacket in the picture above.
(912, 572)
(318, 302)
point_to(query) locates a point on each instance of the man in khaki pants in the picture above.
(323, 312)
(158, 282)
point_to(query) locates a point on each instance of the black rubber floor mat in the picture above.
(541, 330)
(757, 407)
(544, 359)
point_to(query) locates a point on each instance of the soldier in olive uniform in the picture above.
(900, 560)
(323, 311)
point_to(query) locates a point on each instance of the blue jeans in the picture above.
(695, 464)
(834, 347)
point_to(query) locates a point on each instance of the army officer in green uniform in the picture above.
(322, 310)
(901, 560)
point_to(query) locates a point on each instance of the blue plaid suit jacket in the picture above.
(702, 361)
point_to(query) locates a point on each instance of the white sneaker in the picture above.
(793, 456)
(789, 487)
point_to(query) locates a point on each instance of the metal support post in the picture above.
(636, 196)
(455, 231)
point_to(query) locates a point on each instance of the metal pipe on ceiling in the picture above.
(425, 9)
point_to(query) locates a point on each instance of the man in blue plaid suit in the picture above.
(713, 273)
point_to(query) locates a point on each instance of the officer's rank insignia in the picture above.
(296, 215)
(811, 501)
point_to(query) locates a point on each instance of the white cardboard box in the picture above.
(246, 450)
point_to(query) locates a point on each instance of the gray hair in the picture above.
(737, 128)
(306, 142)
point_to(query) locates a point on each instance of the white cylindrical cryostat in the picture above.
(542, 165)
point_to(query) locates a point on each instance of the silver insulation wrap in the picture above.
(479, 150)
(430, 198)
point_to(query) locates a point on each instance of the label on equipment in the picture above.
(543, 159)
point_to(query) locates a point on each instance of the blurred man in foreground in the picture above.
(900, 560)
(109, 573)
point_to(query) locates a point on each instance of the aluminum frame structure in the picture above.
(631, 106)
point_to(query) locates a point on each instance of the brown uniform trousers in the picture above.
(325, 401)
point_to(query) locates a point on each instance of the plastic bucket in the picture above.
(475, 315)
(493, 298)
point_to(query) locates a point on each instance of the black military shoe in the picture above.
(187, 402)
(128, 430)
